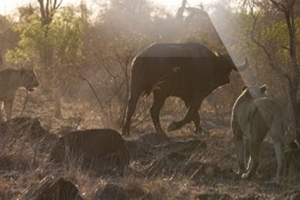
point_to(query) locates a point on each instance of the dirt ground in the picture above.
(178, 166)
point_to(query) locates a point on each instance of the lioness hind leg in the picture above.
(246, 150)
(240, 150)
(240, 156)
(278, 146)
(254, 159)
(280, 160)
(277, 135)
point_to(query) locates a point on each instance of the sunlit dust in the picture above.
(177, 3)
(8, 7)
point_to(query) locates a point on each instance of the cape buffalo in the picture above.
(190, 71)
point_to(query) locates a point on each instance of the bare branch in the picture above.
(285, 48)
(279, 6)
(180, 11)
(48, 10)
(290, 22)
(258, 43)
(56, 5)
(42, 8)
(81, 77)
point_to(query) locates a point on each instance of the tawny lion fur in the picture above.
(253, 116)
(10, 81)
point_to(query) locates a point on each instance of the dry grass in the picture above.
(179, 167)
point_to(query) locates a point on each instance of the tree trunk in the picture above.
(180, 11)
(293, 90)
(297, 119)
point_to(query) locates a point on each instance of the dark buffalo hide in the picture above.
(189, 71)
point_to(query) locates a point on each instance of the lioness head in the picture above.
(29, 79)
(255, 91)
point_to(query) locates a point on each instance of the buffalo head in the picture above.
(223, 67)
(231, 65)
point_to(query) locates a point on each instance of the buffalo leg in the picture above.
(278, 138)
(158, 103)
(132, 102)
(194, 107)
(195, 119)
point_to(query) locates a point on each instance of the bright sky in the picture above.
(9, 6)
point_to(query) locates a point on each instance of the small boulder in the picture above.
(55, 189)
(93, 147)
(112, 192)
(20, 126)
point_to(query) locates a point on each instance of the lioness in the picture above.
(253, 115)
(10, 81)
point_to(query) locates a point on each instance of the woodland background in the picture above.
(83, 59)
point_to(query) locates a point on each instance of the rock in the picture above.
(116, 192)
(112, 192)
(20, 126)
(92, 147)
(55, 189)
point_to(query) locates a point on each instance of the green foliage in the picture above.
(276, 37)
(54, 44)
(30, 37)
(67, 36)
(271, 33)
